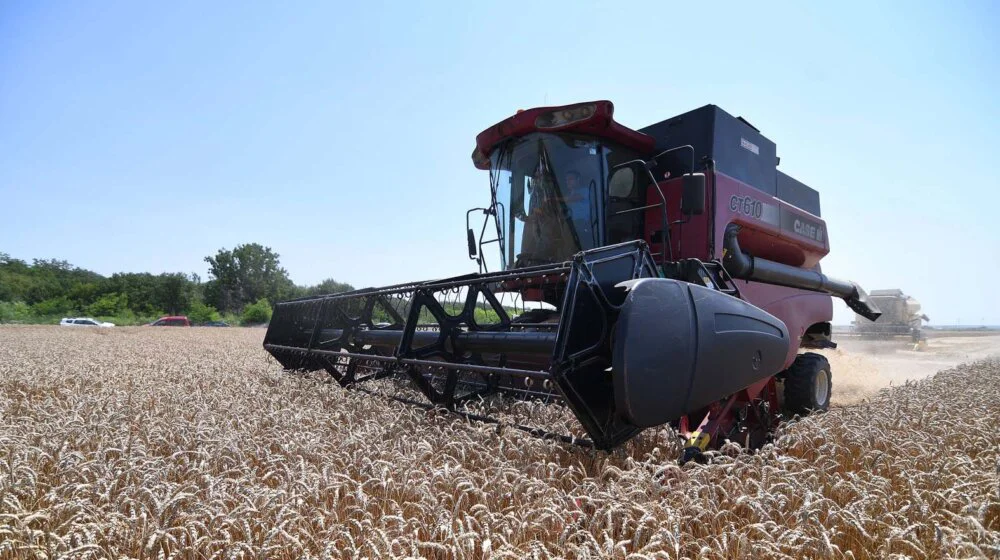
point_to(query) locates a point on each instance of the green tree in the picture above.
(258, 312)
(170, 292)
(84, 294)
(40, 281)
(139, 288)
(14, 286)
(173, 292)
(109, 305)
(14, 311)
(43, 287)
(52, 287)
(201, 313)
(247, 274)
(328, 286)
(60, 305)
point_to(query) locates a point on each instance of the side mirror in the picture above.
(693, 195)
(472, 244)
(622, 182)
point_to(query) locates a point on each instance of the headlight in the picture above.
(562, 117)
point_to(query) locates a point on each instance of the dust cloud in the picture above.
(863, 367)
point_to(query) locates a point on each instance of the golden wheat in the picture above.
(192, 443)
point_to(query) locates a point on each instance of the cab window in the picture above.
(624, 221)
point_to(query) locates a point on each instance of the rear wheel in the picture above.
(808, 384)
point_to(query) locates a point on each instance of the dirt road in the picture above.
(862, 367)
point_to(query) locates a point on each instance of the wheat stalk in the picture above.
(194, 444)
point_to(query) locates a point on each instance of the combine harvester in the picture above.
(668, 275)
(901, 317)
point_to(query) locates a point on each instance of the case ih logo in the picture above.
(747, 206)
(748, 145)
(806, 229)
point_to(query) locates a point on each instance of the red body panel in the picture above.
(689, 240)
(761, 215)
(798, 309)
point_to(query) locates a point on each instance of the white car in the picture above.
(83, 322)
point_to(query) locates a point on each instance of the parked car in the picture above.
(171, 321)
(215, 324)
(83, 322)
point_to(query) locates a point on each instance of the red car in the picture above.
(171, 321)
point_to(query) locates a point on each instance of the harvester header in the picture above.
(665, 276)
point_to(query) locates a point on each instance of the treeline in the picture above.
(242, 284)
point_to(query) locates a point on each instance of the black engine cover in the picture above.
(680, 346)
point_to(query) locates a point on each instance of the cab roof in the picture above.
(593, 117)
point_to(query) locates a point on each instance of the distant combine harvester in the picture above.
(901, 317)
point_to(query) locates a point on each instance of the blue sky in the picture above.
(143, 137)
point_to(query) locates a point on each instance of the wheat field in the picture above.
(192, 443)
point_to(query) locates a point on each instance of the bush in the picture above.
(14, 311)
(232, 319)
(259, 312)
(110, 305)
(55, 306)
(201, 313)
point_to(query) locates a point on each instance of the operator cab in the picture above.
(549, 170)
(552, 197)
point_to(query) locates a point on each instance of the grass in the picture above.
(192, 443)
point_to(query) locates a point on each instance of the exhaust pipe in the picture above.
(743, 266)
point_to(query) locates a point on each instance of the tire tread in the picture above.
(800, 380)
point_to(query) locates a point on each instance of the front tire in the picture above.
(808, 384)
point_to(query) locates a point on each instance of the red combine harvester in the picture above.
(669, 275)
